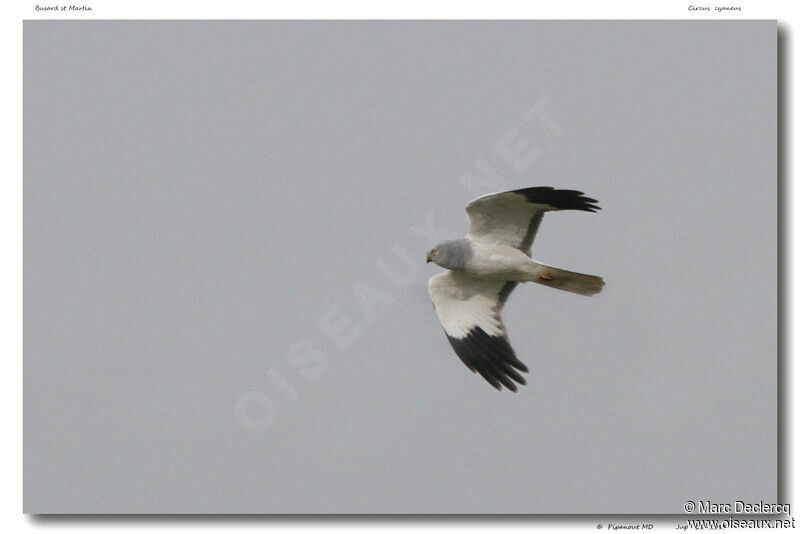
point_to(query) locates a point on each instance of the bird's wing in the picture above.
(469, 310)
(512, 218)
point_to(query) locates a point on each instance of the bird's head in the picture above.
(452, 254)
(432, 255)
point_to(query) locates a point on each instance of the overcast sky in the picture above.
(226, 226)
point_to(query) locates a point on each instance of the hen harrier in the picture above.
(486, 266)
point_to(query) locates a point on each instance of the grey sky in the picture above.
(226, 226)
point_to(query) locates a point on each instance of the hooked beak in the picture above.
(429, 258)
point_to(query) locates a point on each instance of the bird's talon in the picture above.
(545, 277)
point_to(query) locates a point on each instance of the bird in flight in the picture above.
(483, 269)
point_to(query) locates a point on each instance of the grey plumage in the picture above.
(453, 254)
(485, 267)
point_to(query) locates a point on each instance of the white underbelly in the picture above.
(502, 262)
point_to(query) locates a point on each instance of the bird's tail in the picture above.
(582, 284)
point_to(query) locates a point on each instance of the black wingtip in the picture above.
(561, 199)
(491, 357)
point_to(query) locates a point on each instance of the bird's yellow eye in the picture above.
(433, 252)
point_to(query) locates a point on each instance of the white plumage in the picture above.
(464, 302)
(486, 266)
